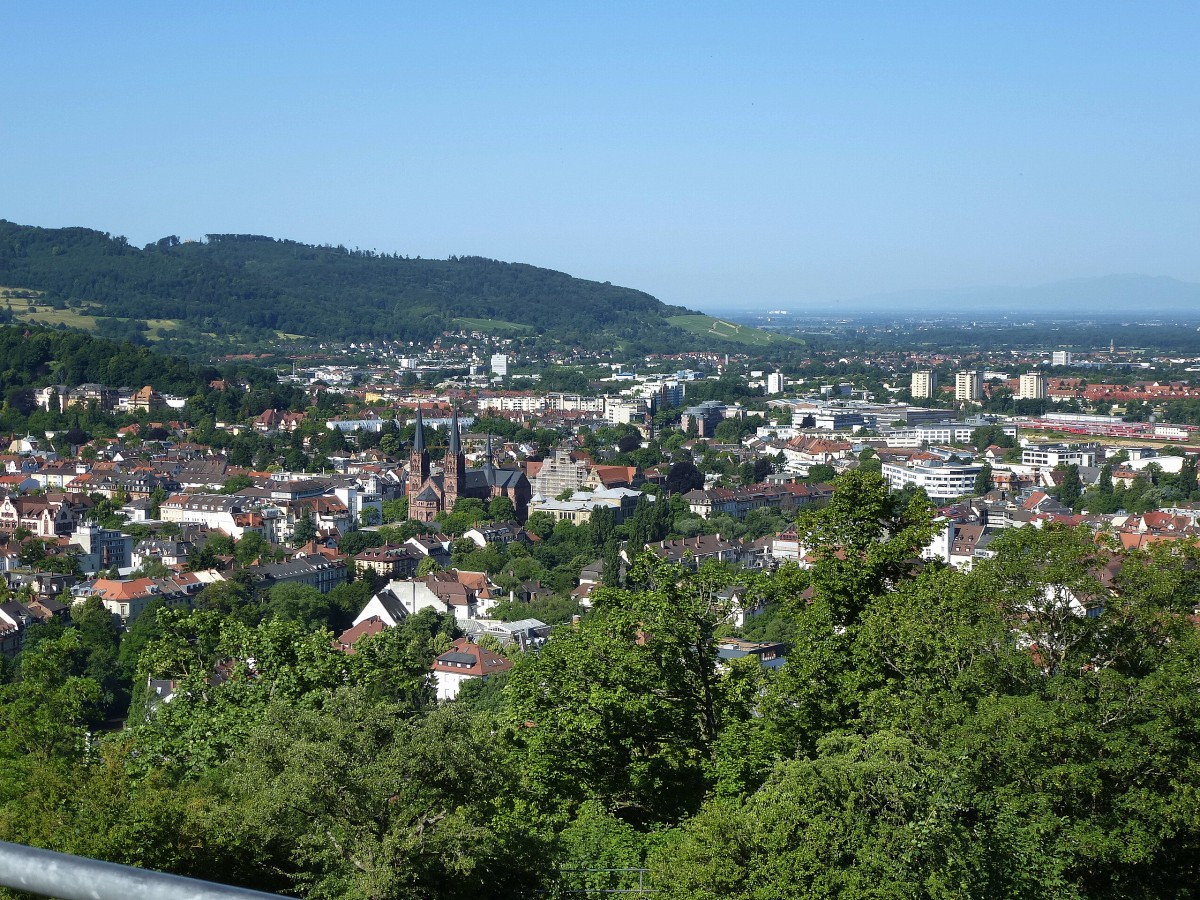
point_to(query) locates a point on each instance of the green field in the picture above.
(35, 312)
(727, 331)
(494, 326)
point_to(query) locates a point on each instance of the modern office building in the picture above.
(940, 481)
(1048, 456)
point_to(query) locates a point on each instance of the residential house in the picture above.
(463, 662)
(389, 561)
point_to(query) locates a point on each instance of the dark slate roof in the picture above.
(488, 477)
(391, 604)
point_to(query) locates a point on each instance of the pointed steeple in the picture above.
(487, 458)
(454, 444)
(418, 460)
(419, 434)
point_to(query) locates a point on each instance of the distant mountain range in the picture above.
(1138, 296)
(258, 289)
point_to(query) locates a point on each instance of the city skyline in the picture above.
(770, 156)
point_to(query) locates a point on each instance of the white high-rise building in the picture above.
(968, 386)
(499, 364)
(1060, 358)
(775, 383)
(924, 384)
(1032, 386)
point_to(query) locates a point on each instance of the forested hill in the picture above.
(254, 287)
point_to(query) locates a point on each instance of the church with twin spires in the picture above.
(429, 494)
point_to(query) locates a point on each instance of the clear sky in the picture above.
(715, 155)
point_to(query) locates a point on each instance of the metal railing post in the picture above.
(80, 878)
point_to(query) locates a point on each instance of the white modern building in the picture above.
(941, 481)
(500, 364)
(775, 383)
(1048, 456)
(940, 433)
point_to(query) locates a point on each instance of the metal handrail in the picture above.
(69, 877)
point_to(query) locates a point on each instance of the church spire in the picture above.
(487, 458)
(455, 449)
(419, 434)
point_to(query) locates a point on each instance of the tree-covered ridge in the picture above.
(257, 285)
(36, 357)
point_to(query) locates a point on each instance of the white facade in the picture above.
(499, 364)
(621, 411)
(1047, 456)
(413, 596)
(516, 403)
(941, 481)
(939, 433)
(1060, 358)
(775, 383)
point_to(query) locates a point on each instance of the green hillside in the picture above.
(718, 330)
(252, 288)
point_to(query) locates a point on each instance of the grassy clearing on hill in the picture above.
(709, 326)
(495, 326)
(27, 307)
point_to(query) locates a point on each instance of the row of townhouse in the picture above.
(737, 502)
(313, 571)
(127, 598)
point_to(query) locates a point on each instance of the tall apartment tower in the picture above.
(1060, 358)
(924, 384)
(1032, 386)
(968, 386)
(775, 383)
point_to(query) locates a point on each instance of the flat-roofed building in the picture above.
(939, 480)
(968, 386)
(1032, 386)
(1048, 456)
(924, 384)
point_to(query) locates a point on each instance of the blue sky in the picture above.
(715, 155)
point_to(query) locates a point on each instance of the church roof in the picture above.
(489, 477)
